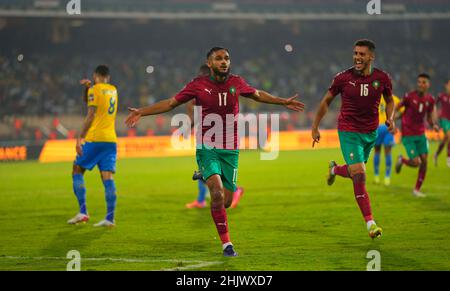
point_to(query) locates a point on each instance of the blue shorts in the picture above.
(384, 137)
(101, 154)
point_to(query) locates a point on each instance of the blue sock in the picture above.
(376, 163)
(80, 191)
(110, 196)
(388, 165)
(201, 191)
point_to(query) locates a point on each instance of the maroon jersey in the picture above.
(360, 99)
(416, 108)
(444, 101)
(221, 99)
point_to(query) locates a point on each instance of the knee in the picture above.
(76, 170)
(357, 171)
(217, 198)
(416, 162)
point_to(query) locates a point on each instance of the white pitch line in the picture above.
(196, 263)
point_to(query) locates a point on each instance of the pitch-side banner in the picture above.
(163, 146)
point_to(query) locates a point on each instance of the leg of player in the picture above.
(336, 170)
(79, 190)
(110, 197)
(237, 195)
(439, 150)
(421, 177)
(219, 214)
(413, 163)
(447, 139)
(388, 161)
(200, 202)
(376, 163)
(358, 174)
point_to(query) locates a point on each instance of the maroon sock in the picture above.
(440, 148)
(342, 171)
(448, 149)
(421, 177)
(409, 163)
(221, 221)
(361, 195)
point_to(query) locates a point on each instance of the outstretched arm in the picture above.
(290, 103)
(323, 109)
(157, 108)
(86, 83)
(86, 126)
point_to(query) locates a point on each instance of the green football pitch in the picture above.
(288, 219)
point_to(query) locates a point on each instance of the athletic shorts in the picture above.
(445, 125)
(221, 162)
(415, 145)
(384, 137)
(356, 146)
(101, 154)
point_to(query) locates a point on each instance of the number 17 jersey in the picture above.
(217, 99)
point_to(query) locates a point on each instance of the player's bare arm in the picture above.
(86, 83)
(390, 113)
(290, 103)
(157, 108)
(321, 111)
(432, 119)
(86, 126)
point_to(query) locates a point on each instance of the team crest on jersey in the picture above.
(376, 84)
(91, 97)
(232, 90)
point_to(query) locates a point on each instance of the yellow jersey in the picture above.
(382, 108)
(104, 97)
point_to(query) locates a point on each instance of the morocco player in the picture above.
(418, 104)
(96, 145)
(444, 102)
(361, 88)
(218, 95)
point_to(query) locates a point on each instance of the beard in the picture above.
(219, 73)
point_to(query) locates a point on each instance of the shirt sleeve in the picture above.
(246, 89)
(187, 93)
(336, 85)
(93, 97)
(388, 86)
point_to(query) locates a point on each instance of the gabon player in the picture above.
(97, 144)
(361, 88)
(218, 95)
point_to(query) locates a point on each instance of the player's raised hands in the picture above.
(293, 104)
(133, 117)
(86, 82)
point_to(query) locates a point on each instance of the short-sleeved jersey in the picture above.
(416, 108)
(217, 100)
(360, 98)
(444, 103)
(104, 98)
(382, 109)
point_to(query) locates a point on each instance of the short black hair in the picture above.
(424, 75)
(102, 70)
(366, 42)
(203, 70)
(215, 49)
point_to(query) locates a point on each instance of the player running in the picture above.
(361, 88)
(418, 104)
(444, 116)
(200, 202)
(217, 154)
(96, 145)
(386, 139)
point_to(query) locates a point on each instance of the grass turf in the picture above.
(288, 219)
